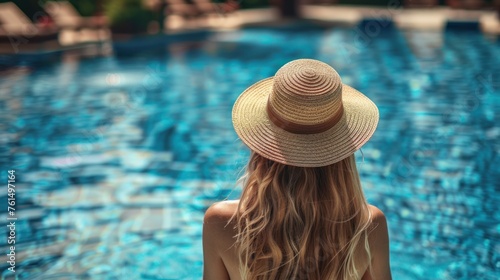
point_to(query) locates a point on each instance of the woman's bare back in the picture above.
(220, 254)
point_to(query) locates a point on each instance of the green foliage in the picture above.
(127, 16)
(249, 4)
(85, 8)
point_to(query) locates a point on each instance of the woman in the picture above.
(302, 213)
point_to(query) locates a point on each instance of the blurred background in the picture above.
(116, 117)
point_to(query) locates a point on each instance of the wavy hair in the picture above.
(301, 223)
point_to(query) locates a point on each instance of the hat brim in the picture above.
(260, 134)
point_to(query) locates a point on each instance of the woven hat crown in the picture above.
(306, 97)
(304, 116)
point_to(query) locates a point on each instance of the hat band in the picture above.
(303, 128)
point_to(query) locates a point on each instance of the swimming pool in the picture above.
(118, 157)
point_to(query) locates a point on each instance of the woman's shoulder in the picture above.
(378, 225)
(378, 239)
(377, 214)
(218, 228)
(378, 234)
(221, 212)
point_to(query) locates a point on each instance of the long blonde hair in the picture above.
(301, 223)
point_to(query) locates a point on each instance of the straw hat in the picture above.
(304, 116)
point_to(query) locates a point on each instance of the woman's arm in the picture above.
(213, 266)
(379, 248)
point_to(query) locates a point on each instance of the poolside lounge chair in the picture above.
(181, 8)
(66, 16)
(17, 28)
(420, 3)
(207, 7)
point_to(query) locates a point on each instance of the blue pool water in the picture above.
(118, 157)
